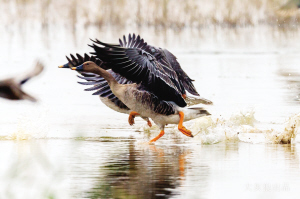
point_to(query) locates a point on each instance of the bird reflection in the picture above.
(151, 172)
(11, 88)
(181, 158)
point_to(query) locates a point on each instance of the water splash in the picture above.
(288, 134)
(210, 130)
(241, 127)
(146, 129)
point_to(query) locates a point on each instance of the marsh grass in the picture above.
(172, 14)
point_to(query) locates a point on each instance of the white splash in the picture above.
(210, 130)
(288, 134)
(241, 126)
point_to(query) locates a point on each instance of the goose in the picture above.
(11, 88)
(101, 85)
(155, 91)
(109, 99)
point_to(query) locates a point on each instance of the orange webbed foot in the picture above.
(131, 117)
(185, 131)
(181, 128)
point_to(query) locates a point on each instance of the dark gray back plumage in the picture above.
(158, 106)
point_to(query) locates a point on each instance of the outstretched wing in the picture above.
(139, 66)
(78, 60)
(133, 42)
(183, 77)
(169, 63)
(99, 83)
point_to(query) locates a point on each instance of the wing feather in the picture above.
(183, 77)
(143, 68)
(88, 83)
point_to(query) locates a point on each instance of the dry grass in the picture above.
(172, 14)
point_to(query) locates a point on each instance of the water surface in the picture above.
(69, 145)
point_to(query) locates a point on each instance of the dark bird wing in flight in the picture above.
(139, 66)
(182, 76)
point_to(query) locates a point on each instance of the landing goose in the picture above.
(155, 92)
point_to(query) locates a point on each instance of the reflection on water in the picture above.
(125, 169)
(141, 173)
(189, 171)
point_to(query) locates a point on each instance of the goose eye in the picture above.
(153, 50)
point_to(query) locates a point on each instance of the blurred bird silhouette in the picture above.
(11, 88)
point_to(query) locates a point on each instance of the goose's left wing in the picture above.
(99, 83)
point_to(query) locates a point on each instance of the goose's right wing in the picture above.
(139, 66)
(100, 85)
(138, 43)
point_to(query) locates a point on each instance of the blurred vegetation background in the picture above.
(171, 14)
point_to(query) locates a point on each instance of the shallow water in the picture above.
(69, 145)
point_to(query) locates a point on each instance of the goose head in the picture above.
(88, 66)
(67, 65)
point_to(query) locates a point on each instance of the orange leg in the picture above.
(131, 117)
(182, 128)
(149, 123)
(157, 137)
(184, 96)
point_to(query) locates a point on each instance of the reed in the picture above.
(172, 14)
